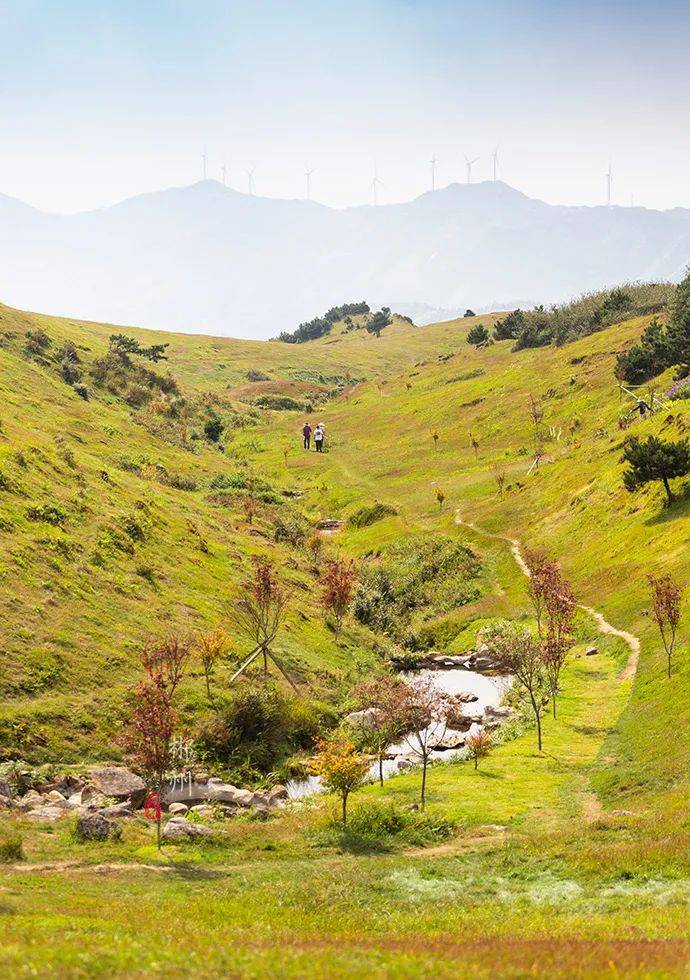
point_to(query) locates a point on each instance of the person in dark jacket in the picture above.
(306, 432)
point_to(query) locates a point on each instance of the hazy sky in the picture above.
(103, 99)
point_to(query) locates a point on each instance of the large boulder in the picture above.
(178, 828)
(95, 826)
(277, 794)
(6, 789)
(227, 793)
(116, 811)
(178, 808)
(118, 783)
(46, 813)
(30, 801)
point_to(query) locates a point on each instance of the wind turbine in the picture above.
(374, 187)
(204, 159)
(469, 168)
(609, 181)
(224, 175)
(494, 157)
(433, 173)
(308, 174)
(250, 180)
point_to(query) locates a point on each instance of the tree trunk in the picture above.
(476, 762)
(158, 831)
(344, 809)
(667, 488)
(263, 651)
(539, 730)
(424, 765)
(381, 768)
(208, 685)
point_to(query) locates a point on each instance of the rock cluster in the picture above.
(109, 793)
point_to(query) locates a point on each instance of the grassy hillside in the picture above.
(572, 862)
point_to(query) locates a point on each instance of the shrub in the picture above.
(37, 342)
(253, 375)
(368, 515)
(213, 428)
(11, 847)
(280, 403)
(258, 726)
(47, 513)
(179, 481)
(679, 390)
(478, 335)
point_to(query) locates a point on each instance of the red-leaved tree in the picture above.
(560, 606)
(167, 658)
(259, 612)
(148, 735)
(339, 584)
(426, 715)
(666, 598)
(382, 722)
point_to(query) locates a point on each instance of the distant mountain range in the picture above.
(208, 259)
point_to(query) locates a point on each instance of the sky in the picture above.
(104, 99)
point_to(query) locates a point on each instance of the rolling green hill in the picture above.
(119, 521)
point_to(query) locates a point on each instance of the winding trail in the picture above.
(605, 627)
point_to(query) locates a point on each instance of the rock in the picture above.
(277, 793)
(203, 809)
(47, 813)
(180, 829)
(5, 790)
(176, 808)
(259, 800)
(119, 783)
(65, 785)
(366, 718)
(119, 810)
(96, 826)
(498, 712)
(403, 764)
(30, 800)
(467, 697)
(452, 739)
(202, 778)
(226, 793)
(591, 651)
(56, 799)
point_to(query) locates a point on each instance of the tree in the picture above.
(122, 346)
(655, 459)
(167, 659)
(510, 327)
(478, 745)
(435, 437)
(474, 442)
(522, 656)
(469, 313)
(478, 335)
(339, 584)
(341, 767)
(213, 428)
(377, 322)
(210, 648)
(383, 723)
(666, 596)
(540, 567)
(149, 732)
(426, 715)
(560, 606)
(499, 472)
(259, 612)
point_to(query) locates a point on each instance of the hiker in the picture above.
(306, 432)
(319, 433)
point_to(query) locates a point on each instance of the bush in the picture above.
(179, 481)
(379, 826)
(11, 847)
(478, 335)
(583, 316)
(47, 513)
(213, 428)
(368, 515)
(280, 403)
(415, 579)
(253, 375)
(82, 391)
(259, 726)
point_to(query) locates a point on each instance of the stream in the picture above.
(489, 692)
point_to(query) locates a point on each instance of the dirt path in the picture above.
(632, 641)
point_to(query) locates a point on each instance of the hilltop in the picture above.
(209, 259)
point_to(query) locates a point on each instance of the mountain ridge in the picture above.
(210, 259)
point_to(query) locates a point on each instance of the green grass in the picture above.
(572, 888)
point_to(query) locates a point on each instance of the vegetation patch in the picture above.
(368, 515)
